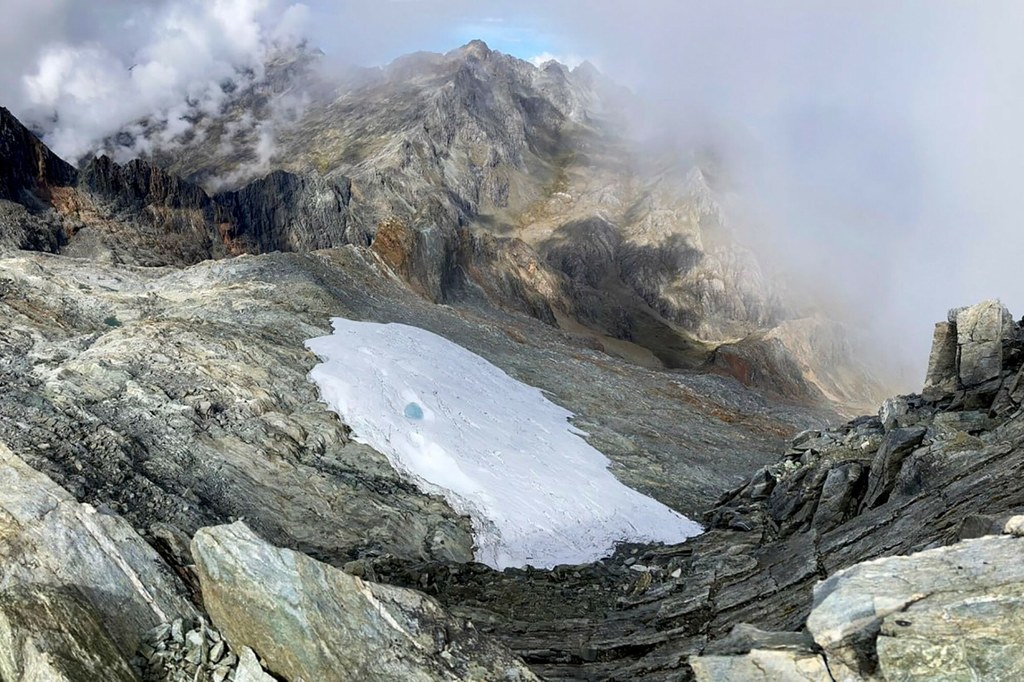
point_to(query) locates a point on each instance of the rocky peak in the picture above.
(139, 183)
(29, 169)
(474, 49)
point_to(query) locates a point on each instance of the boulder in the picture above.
(310, 621)
(980, 332)
(98, 586)
(949, 613)
(761, 665)
(971, 634)
(891, 410)
(249, 669)
(749, 653)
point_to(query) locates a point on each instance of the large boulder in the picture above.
(951, 613)
(981, 330)
(310, 621)
(78, 588)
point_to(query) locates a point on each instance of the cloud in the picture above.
(570, 60)
(167, 68)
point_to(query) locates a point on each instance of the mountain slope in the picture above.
(485, 176)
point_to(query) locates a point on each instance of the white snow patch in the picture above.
(495, 448)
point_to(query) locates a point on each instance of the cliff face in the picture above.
(286, 212)
(30, 169)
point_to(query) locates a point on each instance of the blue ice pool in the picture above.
(414, 411)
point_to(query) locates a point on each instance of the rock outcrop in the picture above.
(78, 586)
(969, 353)
(335, 626)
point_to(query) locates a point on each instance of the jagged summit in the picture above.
(474, 49)
(29, 169)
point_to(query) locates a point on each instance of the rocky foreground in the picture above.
(846, 559)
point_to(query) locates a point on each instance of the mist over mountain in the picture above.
(444, 341)
(859, 134)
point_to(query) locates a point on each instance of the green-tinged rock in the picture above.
(51, 542)
(954, 636)
(923, 605)
(51, 634)
(310, 621)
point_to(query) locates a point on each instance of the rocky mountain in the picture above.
(479, 174)
(177, 503)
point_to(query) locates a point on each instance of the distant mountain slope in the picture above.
(477, 177)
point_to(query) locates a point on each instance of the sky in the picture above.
(877, 147)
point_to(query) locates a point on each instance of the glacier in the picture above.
(495, 448)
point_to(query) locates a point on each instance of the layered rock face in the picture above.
(78, 587)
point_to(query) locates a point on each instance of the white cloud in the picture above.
(569, 60)
(168, 68)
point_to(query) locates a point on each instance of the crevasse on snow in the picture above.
(494, 447)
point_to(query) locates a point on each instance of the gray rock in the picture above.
(838, 499)
(52, 634)
(981, 330)
(973, 634)
(50, 540)
(762, 666)
(891, 410)
(745, 638)
(249, 668)
(941, 380)
(885, 467)
(927, 607)
(335, 626)
(946, 424)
